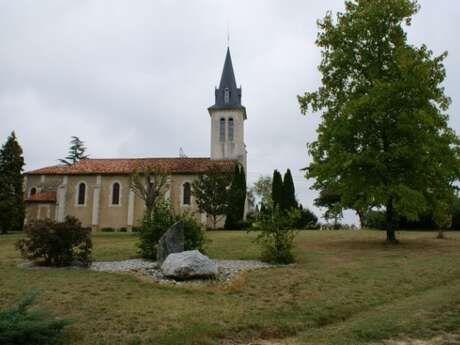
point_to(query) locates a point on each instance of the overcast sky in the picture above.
(135, 78)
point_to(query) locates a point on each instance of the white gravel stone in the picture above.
(227, 269)
(122, 266)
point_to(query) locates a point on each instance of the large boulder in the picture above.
(171, 242)
(189, 265)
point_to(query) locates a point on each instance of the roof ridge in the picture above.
(128, 165)
(139, 158)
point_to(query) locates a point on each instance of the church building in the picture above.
(97, 191)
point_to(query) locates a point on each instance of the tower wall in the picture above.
(228, 149)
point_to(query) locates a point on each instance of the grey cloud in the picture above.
(135, 78)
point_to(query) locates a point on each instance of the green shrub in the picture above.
(154, 225)
(107, 229)
(159, 221)
(123, 229)
(277, 236)
(22, 326)
(57, 244)
(194, 233)
(307, 220)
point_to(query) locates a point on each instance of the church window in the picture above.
(227, 95)
(222, 130)
(81, 197)
(116, 194)
(230, 129)
(186, 194)
(33, 191)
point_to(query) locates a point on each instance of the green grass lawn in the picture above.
(347, 288)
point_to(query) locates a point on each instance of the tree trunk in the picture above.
(214, 222)
(391, 234)
(362, 219)
(440, 234)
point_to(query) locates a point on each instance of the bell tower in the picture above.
(227, 118)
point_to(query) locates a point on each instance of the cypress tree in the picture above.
(277, 189)
(12, 207)
(237, 199)
(289, 200)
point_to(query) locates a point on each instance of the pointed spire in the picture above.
(227, 80)
(228, 95)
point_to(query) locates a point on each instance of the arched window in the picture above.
(33, 191)
(222, 130)
(230, 129)
(81, 193)
(226, 95)
(116, 194)
(187, 194)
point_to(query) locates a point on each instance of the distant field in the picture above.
(347, 288)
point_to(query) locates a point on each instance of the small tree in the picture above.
(21, 325)
(210, 192)
(12, 208)
(149, 185)
(277, 234)
(76, 151)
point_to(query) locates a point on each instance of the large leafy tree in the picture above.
(12, 208)
(77, 151)
(210, 192)
(384, 139)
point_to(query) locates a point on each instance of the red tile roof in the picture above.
(125, 166)
(42, 197)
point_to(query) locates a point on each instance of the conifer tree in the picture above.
(277, 189)
(237, 199)
(289, 200)
(76, 151)
(12, 208)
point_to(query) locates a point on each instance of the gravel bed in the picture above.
(122, 266)
(227, 269)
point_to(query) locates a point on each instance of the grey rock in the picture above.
(171, 242)
(189, 265)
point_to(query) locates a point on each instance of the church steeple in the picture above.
(228, 95)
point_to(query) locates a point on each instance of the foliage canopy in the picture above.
(210, 192)
(384, 139)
